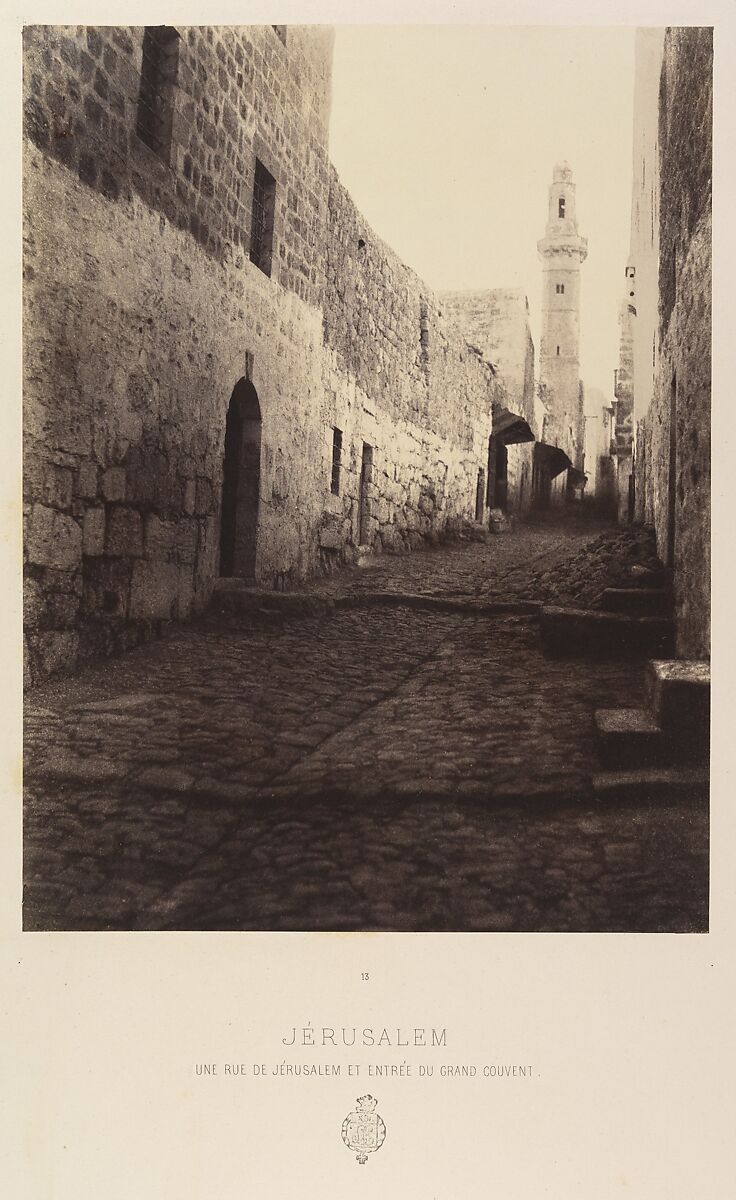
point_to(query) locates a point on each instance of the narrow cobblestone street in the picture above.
(379, 766)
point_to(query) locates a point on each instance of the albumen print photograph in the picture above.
(367, 478)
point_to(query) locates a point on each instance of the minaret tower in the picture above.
(562, 251)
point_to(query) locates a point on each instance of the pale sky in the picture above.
(446, 136)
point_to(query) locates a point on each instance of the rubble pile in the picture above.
(606, 562)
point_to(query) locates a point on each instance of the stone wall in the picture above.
(496, 322)
(240, 94)
(143, 311)
(673, 439)
(400, 379)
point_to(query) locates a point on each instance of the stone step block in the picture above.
(640, 601)
(629, 738)
(653, 785)
(592, 633)
(678, 692)
(438, 603)
(234, 598)
(647, 577)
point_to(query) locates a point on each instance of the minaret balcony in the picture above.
(569, 245)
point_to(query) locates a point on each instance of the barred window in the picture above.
(159, 66)
(336, 460)
(262, 218)
(561, 206)
(560, 289)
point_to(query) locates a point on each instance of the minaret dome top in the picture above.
(562, 172)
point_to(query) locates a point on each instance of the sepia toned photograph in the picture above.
(366, 456)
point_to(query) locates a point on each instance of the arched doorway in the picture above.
(241, 482)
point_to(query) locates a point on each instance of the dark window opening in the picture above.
(560, 288)
(280, 31)
(262, 218)
(159, 65)
(558, 349)
(336, 461)
(561, 206)
(361, 243)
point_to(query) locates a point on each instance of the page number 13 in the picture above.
(364, 975)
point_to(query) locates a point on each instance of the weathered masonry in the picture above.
(496, 321)
(226, 371)
(670, 278)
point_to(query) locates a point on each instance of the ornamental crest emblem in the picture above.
(363, 1129)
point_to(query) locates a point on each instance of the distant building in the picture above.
(622, 434)
(562, 251)
(599, 464)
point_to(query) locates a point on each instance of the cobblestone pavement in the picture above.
(509, 567)
(379, 768)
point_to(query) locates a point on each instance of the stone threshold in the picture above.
(257, 603)
(526, 608)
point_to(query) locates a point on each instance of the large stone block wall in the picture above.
(679, 505)
(130, 362)
(683, 388)
(138, 327)
(143, 310)
(496, 320)
(399, 377)
(240, 94)
(685, 150)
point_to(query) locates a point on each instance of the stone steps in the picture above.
(639, 601)
(647, 577)
(678, 693)
(629, 737)
(674, 729)
(581, 633)
(235, 598)
(653, 784)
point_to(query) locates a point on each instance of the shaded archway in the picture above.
(241, 480)
(498, 466)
